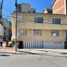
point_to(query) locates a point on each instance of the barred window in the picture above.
(54, 33)
(38, 32)
(22, 31)
(39, 19)
(56, 21)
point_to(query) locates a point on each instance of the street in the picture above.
(31, 60)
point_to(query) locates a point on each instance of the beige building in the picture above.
(40, 30)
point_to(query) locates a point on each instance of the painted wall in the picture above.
(28, 23)
(46, 36)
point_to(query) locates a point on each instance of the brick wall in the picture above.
(59, 7)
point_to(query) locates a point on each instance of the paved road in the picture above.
(29, 60)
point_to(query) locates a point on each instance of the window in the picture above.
(56, 21)
(38, 32)
(20, 19)
(55, 33)
(39, 19)
(22, 31)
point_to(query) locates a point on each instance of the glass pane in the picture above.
(39, 19)
(56, 20)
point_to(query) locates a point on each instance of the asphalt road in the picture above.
(29, 60)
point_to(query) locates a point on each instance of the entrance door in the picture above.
(20, 46)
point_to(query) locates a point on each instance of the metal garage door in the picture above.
(53, 45)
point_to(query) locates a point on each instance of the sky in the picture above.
(39, 5)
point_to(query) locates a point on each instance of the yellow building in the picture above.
(39, 30)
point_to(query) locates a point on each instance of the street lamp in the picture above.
(16, 26)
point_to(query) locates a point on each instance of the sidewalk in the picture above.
(44, 50)
(49, 52)
(33, 51)
(8, 50)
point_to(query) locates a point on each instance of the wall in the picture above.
(59, 7)
(29, 24)
(46, 36)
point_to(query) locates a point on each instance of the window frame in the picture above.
(37, 32)
(55, 21)
(38, 19)
(55, 33)
(22, 32)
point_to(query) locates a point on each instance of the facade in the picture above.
(39, 30)
(59, 6)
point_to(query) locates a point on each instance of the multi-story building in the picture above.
(25, 8)
(59, 6)
(39, 30)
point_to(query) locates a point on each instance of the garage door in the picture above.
(42, 45)
(53, 45)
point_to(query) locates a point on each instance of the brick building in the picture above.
(59, 6)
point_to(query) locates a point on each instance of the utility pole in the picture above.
(16, 26)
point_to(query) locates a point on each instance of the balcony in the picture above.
(42, 26)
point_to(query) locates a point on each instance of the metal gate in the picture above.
(42, 45)
(32, 44)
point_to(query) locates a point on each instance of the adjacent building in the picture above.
(25, 8)
(39, 30)
(47, 11)
(59, 6)
(7, 30)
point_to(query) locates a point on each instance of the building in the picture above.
(47, 11)
(7, 30)
(25, 8)
(59, 6)
(39, 30)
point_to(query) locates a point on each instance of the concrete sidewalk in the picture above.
(50, 52)
(44, 50)
(33, 51)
